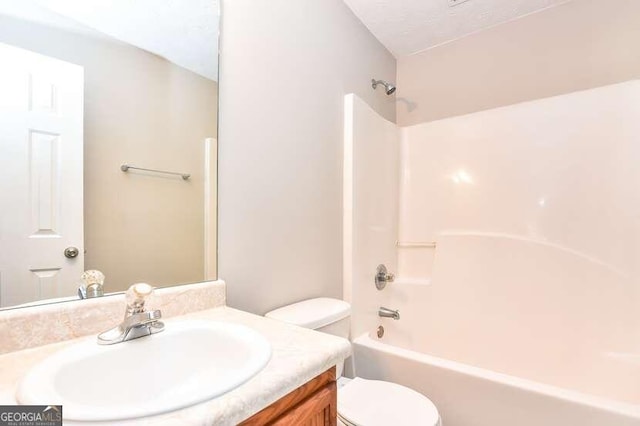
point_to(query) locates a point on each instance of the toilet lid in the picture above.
(378, 403)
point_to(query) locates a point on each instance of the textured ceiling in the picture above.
(183, 32)
(410, 26)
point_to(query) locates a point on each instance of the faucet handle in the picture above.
(92, 276)
(136, 296)
(383, 276)
(138, 321)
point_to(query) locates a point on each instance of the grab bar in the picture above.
(410, 244)
(126, 167)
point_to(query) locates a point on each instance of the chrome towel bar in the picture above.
(126, 167)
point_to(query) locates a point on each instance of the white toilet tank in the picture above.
(331, 316)
(322, 314)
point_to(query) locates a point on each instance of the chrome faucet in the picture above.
(388, 313)
(92, 284)
(138, 321)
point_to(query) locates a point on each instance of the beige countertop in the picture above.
(298, 355)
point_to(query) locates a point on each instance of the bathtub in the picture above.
(468, 395)
(489, 355)
(509, 331)
(516, 275)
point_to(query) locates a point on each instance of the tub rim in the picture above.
(568, 395)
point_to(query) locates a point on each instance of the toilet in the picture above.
(361, 402)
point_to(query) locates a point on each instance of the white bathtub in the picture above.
(467, 395)
(511, 331)
(519, 233)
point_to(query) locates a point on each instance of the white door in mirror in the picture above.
(191, 362)
(41, 113)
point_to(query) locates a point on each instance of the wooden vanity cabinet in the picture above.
(312, 404)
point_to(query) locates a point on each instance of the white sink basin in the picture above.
(189, 362)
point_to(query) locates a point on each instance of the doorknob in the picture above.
(71, 252)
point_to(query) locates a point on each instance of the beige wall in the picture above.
(140, 109)
(578, 45)
(285, 68)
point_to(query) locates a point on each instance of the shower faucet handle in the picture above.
(383, 277)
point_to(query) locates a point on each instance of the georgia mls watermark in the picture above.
(30, 415)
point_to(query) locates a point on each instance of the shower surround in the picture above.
(514, 236)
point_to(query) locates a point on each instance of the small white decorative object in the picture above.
(92, 276)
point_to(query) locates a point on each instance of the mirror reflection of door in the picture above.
(41, 114)
(148, 95)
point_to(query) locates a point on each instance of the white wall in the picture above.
(575, 46)
(285, 68)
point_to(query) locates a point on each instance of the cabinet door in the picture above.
(317, 410)
(312, 404)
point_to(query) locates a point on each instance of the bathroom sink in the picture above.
(189, 362)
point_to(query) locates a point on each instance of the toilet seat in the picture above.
(364, 402)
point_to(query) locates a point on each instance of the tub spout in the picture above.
(388, 313)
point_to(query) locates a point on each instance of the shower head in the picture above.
(389, 88)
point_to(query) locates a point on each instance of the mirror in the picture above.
(108, 144)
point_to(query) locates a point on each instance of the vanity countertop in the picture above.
(298, 355)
